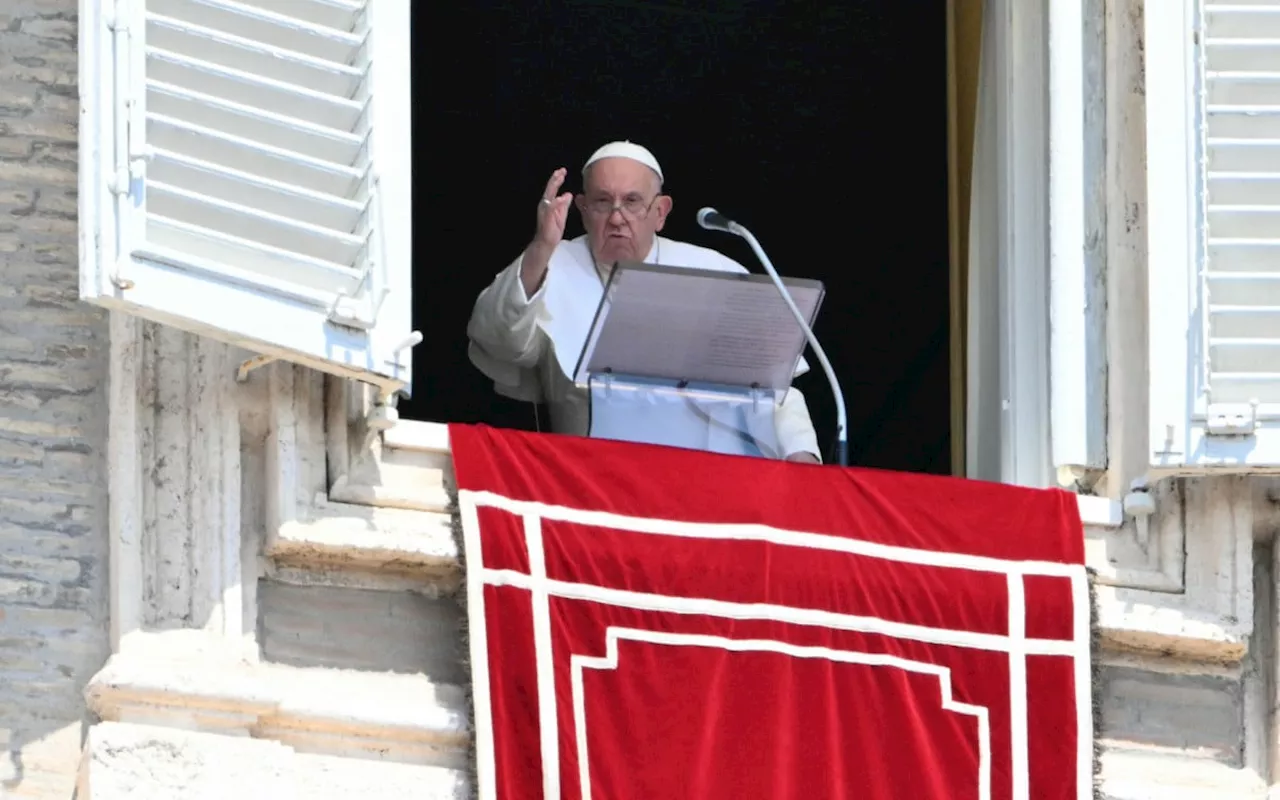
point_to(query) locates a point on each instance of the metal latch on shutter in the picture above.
(1232, 419)
(350, 312)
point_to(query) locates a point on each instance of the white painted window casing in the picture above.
(246, 174)
(1077, 282)
(1213, 171)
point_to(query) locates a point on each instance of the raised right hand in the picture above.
(553, 211)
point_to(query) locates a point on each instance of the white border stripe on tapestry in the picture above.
(1084, 685)
(725, 609)
(548, 720)
(1018, 737)
(766, 533)
(478, 634)
(609, 661)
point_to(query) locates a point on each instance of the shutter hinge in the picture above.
(122, 181)
(136, 153)
(1232, 419)
(118, 24)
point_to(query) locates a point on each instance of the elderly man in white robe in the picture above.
(529, 325)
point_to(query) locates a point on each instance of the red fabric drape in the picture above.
(664, 623)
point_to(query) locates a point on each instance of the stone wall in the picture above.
(53, 376)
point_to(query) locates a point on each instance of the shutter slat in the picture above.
(270, 28)
(275, 130)
(1245, 321)
(1241, 388)
(283, 270)
(1243, 289)
(227, 54)
(1244, 188)
(255, 224)
(1244, 224)
(274, 97)
(337, 14)
(274, 197)
(1244, 355)
(1235, 256)
(1241, 280)
(274, 163)
(1238, 123)
(1243, 155)
(1243, 89)
(1237, 387)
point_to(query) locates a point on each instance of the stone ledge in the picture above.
(426, 437)
(409, 467)
(1142, 773)
(1133, 620)
(388, 541)
(143, 762)
(178, 680)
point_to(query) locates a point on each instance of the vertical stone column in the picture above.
(175, 482)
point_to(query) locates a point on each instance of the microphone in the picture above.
(713, 220)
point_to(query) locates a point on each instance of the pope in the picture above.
(529, 325)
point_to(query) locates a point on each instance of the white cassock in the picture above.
(529, 346)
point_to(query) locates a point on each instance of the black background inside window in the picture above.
(822, 127)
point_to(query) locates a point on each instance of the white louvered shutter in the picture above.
(250, 174)
(1214, 203)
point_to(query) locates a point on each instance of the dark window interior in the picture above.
(822, 127)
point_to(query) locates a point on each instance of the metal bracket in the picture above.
(381, 418)
(1234, 419)
(344, 311)
(1140, 505)
(411, 341)
(242, 373)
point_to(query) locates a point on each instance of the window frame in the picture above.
(1025, 452)
(1172, 211)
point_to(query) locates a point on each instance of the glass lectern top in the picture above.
(696, 326)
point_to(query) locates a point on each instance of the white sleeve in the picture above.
(504, 320)
(794, 427)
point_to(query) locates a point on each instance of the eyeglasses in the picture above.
(633, 208)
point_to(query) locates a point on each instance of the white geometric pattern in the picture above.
(541, 588)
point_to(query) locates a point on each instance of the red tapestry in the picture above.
(647, 622)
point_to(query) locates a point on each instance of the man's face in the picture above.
(622, 209)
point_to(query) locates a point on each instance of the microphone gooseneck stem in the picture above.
(842, 425)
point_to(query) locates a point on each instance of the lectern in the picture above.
(693, 358)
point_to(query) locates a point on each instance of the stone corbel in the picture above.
(340, 513)
(1142, 546)
(1207, 613)
(405, 465)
